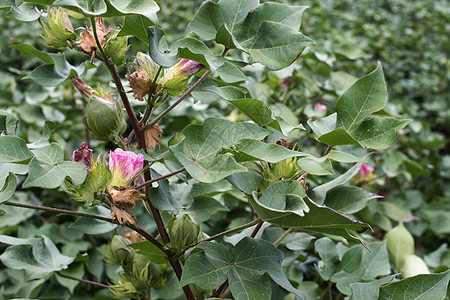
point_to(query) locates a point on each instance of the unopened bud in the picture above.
(175, 80)
(58, 29)
(115, 48)
(118, 252)
(183, 231)
(145, 273)
(103, 119)
(84, 156)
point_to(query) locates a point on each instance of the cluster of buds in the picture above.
(58, 32)
(285, 169)
(173, 81)
(183, 231)
(139, 273)
(366, 175)
(103, 116)
(116, 178)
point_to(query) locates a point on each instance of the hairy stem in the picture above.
(159, 178)
(123, 96)
(83, 280)
(136, 228)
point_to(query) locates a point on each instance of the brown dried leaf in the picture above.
(87, 39)
(153, 136)
(122, 216)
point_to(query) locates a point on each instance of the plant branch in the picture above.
(257, 228)
(182, 97)
(282, 236)
(83, 280)
(254, 222)
(91, 216)
(123, 96)
(159, 178)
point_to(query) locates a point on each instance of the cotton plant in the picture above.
(269, 176)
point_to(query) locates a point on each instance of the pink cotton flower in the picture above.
(320, 107)
(124, 166)
(365, 170)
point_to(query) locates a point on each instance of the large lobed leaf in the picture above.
(268, 32)
(247, 267)
(37, 257)
(199, 151)
(285, 204)
(112, 8)
(353, 123)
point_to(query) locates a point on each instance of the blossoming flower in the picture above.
(320, 107)
(124, 166)
(365, 170)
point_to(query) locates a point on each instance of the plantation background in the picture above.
(411, 40)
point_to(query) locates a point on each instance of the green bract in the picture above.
(104, 119)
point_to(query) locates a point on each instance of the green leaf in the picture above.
(204, 207)
(352, 124)
(161, 197)
(400, 244)
(366, 96)
(48, 170)
(348, 199)
(246, 270)
(199, 151)
(246, 182)
(423, 287)
(285, 204)
(25, 12)
(161, 56)
(328, 252)
(15, 215)
(268, 32)
(8, 189)
(255, 110)
(13, 149)
(37, 257)
(257, 150)
(112, 8)
(316, 165)
(209, 268)
(376, 262)
(150, 251)
(51, 75)
(321, 190)
(369, 290)
(31, 51)
(8, 122)
(378, 133)
(137, 26)
(6, 4)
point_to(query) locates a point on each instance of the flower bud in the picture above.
(118, 253)
(103, 119)
(125, 288)
(175, 80)
(84, 156)
(115, 47)
(145, 273)
(58, 29)
(183, 231)
(285, 169)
